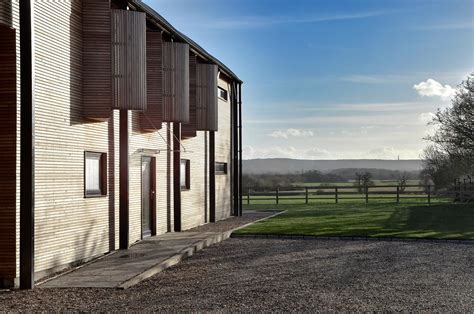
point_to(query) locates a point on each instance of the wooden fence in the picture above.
(336, 194)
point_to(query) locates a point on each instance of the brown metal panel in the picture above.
(129, 60)
(152, 118)
(8, 139)
(96, 58)
(206, 97)
(6, 12)
(188, 130)
(175, 82)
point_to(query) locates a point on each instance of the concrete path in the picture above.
(124, 269)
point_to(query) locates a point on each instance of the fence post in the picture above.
(248, 196)
(277, 196)
(337, 199)
(366, 194)
(429, 194)
(398, 194)
(306, 190)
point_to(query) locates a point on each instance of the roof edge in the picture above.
(172, 30)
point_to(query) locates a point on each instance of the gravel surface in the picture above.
(288, 275)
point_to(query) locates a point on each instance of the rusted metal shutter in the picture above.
(152, 118)
(129, 60)
(6, 12)
(8, 132)
(96, 59)
(175, 82)
(206, 97)
(188, 130)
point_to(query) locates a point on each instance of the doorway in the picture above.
(148, 196)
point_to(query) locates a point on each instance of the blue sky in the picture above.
(327, 79)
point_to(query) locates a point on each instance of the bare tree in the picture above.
(402, 181)
(451, 153)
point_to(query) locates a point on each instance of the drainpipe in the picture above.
(177, 175)
(240, 149)
(235, 150)
(27, 152)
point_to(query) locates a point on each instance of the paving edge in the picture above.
(185, 253)
(335, 238)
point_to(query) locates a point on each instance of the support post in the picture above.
(124, 182)
(306, 195)
(336, 194)
(177, 175)
(277, 196)
(27, 151)
(248, 196)
(212, 176)
(429, 194)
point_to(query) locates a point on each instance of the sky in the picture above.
(327, 79)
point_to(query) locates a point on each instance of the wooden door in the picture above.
(148, 196)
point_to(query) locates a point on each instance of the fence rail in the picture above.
(335, 194)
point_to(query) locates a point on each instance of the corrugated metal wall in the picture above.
(8, 125)
(129, 60)
(68, 227)
(223, 154)
(175, 82)
(206, 97)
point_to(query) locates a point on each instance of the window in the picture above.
(222, 93)
(95, 174)
(185, 174)
(220, 168)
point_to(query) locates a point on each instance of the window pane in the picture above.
(182, 178)
(93, 173)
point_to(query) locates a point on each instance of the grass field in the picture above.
(378, 219)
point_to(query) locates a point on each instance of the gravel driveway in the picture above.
(288, 275)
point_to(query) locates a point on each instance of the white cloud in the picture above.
(431, 88)
(426, 117)
(291, 133)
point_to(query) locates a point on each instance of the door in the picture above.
(148, 196)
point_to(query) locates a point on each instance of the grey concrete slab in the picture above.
(143, 260)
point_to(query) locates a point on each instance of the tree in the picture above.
(451, 153)
(402, 181)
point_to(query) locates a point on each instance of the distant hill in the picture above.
(285, 166)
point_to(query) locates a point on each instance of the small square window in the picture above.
(95, 174)
(185, 175)
(220, 168)
(222, 93)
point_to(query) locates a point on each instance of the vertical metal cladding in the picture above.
(8, 139)
(152, 118)
(175, 82)
(206, 97)
(129, 90)
(96, 59)
(188, 130)
(6, 12)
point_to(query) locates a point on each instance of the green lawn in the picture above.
(382, 219)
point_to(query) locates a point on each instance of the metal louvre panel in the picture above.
(129, 60)
(175, 82)
(96, 59)
(152, 118)
(206, 97)
(6, 12)
(188, 130)
(8, 138)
